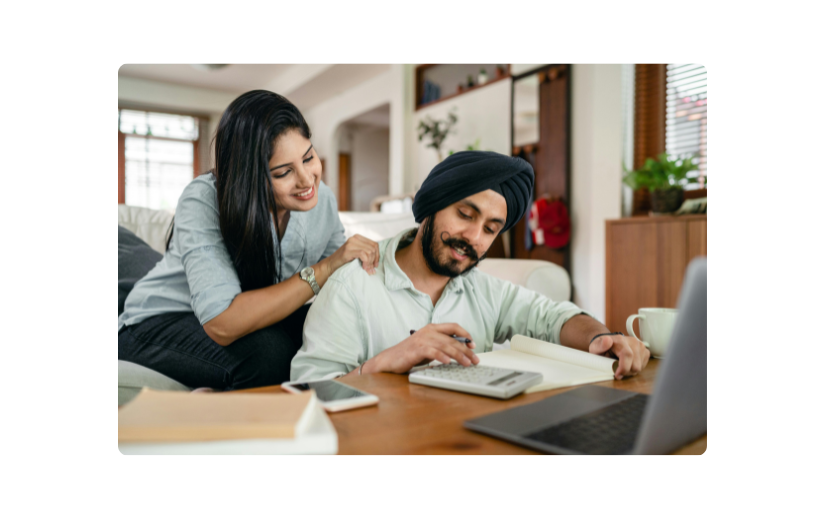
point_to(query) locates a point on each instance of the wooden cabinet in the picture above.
(646, 262)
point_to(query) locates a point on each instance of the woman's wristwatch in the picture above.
(308, 275)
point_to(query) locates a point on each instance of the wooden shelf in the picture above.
(419, 85)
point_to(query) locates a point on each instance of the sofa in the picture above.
(152, 227)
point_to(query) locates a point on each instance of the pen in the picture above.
(465, 340)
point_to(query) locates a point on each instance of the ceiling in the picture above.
(234, 79)
(304, 85)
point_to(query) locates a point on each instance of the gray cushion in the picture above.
(135, 258)
(131, 378)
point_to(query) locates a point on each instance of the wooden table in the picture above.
(414, 419)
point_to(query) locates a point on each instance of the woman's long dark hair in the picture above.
(244, 143)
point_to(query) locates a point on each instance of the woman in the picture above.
(225, 307)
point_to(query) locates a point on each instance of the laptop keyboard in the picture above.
(609, 430)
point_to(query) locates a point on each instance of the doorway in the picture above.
(364, 159)
(541, 136)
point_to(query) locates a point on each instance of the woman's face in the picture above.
(296, 172)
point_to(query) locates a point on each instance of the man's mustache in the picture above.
(458, 243)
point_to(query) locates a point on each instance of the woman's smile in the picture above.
(305, 195)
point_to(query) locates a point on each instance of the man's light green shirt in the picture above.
(357, 316)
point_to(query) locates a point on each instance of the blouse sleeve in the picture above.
(213, 281)
(338, 236)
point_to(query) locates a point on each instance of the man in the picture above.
(426, 290)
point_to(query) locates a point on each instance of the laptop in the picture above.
(601, 420)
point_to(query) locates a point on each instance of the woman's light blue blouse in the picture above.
(196, 273)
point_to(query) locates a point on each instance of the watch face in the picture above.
(307, 272)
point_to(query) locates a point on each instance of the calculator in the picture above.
(478, 380)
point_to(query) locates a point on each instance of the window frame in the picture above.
(650, 127)
(196, 144)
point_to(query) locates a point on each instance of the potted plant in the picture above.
(437, 130)
(482, 77)
(665, 178)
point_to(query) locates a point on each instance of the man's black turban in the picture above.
(469, 172)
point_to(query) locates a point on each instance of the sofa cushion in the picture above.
(131, 378)
(376, 226)
(150, 225)
(134, 259)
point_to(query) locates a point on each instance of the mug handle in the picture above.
(629, 326)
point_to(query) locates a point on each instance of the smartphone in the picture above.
(334, 396)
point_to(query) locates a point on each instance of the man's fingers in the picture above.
(625, 355)
(452, 329)
(436, 354)
(457, 354)
(466, 351)
(601, 345)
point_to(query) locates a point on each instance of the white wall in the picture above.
(596, 162)
(370, 164)
(326, 118)
(482, 114)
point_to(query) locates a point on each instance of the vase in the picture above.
(666, 200)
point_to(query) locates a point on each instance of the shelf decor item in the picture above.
(482, 77)
(436, 130)
(665, 178)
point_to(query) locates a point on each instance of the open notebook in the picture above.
(560, 366)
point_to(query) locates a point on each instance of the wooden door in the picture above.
(344, 181)
(121, 168)
(552, 161)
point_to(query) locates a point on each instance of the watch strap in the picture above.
(310, 278)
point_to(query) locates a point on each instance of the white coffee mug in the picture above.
(656, 326)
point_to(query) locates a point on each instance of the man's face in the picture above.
(456, 238)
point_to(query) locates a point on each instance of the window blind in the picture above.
(687, 117)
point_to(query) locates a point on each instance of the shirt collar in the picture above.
(397, 279)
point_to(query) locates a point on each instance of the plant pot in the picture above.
(666, 200)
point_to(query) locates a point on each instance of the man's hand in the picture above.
(632, 354)
(433, 342)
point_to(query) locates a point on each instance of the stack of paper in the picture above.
(174, 422)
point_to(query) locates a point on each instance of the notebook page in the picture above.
(562, 354)
(554, 373)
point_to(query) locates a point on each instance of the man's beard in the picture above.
(450, 268)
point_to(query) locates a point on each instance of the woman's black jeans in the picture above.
(176, 345)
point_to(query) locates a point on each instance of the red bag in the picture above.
(550, 223)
